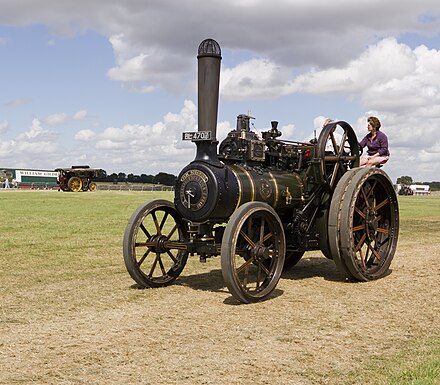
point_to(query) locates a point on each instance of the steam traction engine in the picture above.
(261, 202)
(78, 178)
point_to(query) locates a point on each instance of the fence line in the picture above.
(101, 186)
(133, 187)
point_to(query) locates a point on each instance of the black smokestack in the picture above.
(209, 57)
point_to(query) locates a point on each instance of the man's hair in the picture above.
(374, 122)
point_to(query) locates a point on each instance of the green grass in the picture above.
(418, 363)
(50, 238)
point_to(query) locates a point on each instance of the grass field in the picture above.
(69, 313)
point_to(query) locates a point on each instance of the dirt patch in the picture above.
(314, 329)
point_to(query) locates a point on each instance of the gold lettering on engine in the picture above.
(194, 174)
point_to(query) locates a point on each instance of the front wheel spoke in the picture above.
(267, 237)
(172, 256)
(383, 231)
(156, 223)
(245, 265)
(173, 230)
(262, 229)
(145, 230)
(162, 267)
(144, 244)
(162, 222)
(143, 258)
(247, 239)
(264, 268)
(153, 266)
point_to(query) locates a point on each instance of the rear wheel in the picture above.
(253, 251)
(364, 224)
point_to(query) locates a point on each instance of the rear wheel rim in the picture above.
(372, 228)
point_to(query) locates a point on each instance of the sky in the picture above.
(112, 84)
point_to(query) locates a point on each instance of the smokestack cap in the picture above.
(209, 47)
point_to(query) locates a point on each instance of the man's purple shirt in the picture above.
(378, 145)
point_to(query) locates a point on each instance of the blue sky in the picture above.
(113, 84)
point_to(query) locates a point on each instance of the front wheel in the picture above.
(252, 252)
(154, 247)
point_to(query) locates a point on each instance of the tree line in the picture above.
(160, 178)
(170, 179)
(407, 180)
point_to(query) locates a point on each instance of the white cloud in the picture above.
(42, 148)
(255, 79)
(80, 115)
(56, 119)
(85, 135)
(132, 69)
(380, 62)
(4, 126)
(382, 66)
(36, 147)
(146, 148)
(18, 102)
(222, 129)
(36, 133)
(146, 67)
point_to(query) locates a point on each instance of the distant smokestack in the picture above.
(209, 57)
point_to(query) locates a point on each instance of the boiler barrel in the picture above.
(205, 192)
(281, 190)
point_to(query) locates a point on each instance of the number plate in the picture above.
(196, 136)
